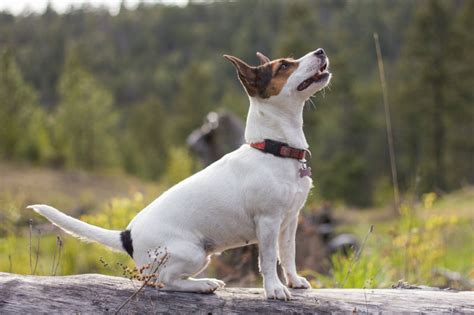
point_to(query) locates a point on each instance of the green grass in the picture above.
(76, 256)
(110, 200)
(437, 233)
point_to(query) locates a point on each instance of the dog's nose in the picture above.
(320, 52)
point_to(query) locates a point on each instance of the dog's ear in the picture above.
(263, 59)
(247, 74)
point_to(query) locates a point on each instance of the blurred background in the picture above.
(104, 106)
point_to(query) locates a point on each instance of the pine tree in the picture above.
(460, 92)
(146, 139)
(195, 95)
(23, 133)
(425, 108)
(85, 120)
(298, 20)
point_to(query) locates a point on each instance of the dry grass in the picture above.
(68, 189)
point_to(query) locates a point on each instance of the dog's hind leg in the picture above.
(185, 260)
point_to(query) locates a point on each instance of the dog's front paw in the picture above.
(299, 283)
(277, 291)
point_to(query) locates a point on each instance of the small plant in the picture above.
(55, 264)
(361, 269)
(148, 273)
(356, 257)
(420, 242)
(30, 225)
(412, 248)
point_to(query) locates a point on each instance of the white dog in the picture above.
(252, 195)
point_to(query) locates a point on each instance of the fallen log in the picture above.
(93, 293)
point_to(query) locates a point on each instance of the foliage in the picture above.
(117, 213)
(95, 91)
(429, 102)
(23, 134)
(411, 249)
(84, 120)
(79, 194)
(14, 245)
(180, 166)
(99, 91)
(428, 240)
(146, 139)
(194, 99)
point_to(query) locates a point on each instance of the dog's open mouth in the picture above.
(321, 75)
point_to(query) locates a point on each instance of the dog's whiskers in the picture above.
(324, 90)
(311, 102)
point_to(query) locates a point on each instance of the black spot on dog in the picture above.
(126, 238)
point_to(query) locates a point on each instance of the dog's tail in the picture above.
(110, 238)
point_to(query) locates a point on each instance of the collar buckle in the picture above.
(274, 147)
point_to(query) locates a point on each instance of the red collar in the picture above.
(280, 149)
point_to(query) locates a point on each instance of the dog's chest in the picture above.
(298, 192)
(283, 186)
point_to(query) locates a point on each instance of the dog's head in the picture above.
(284, 79)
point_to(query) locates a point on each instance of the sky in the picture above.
(38, 6)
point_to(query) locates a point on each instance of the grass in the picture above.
(436, 233)
(77, 257)
(109, 200)
(66, 189)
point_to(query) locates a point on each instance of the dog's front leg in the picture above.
(287, 256)
(268, 230)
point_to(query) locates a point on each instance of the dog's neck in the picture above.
(282, 122)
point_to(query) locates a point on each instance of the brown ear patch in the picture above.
(265, 80)
(274, 76)
(246, 74)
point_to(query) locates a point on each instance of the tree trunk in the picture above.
(92, 293)
(439, 134)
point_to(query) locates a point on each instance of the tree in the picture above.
(168, 58)
(460, 148)
(146, 139)
(23, 133)
(425, 107)
(298, 19)
(195, 98)
(85, 120)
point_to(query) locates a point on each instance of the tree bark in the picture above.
(92, 293)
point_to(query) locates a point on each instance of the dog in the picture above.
(252, 195)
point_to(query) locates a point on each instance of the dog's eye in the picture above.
(283, 67)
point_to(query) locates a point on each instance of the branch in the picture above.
(92, 293)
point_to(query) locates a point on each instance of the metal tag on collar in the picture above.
(305, 170)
